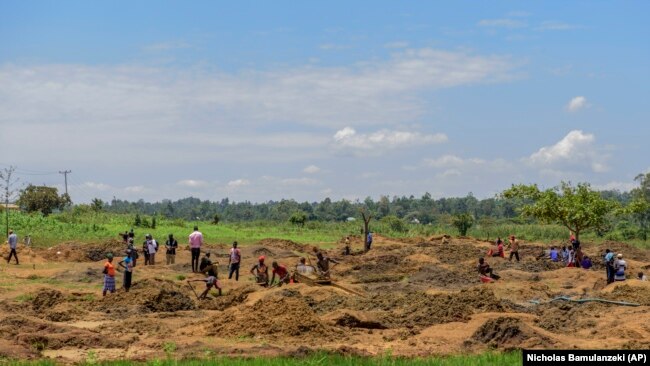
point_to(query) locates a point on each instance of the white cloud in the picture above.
(444, 161)
(134, 189)
(96, 186)
(576, 150)
(191, 183)
(576, 104)
(615, 185)
(555, 26)
(502, 23)
(311, 169)
(238, 183)
(371, 92)
(383, 139)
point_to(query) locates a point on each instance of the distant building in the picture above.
(11, 207)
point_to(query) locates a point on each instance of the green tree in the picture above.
(298, 218)
(577, 208)
(138, 221)
(639, 208)
(215, 219)
(395, 223)
(462, 222)
(42, 199)
(97, 204)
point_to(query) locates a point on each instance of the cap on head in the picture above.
(619, 256)
(11, 231)
(261, 258)
(148, 236)
(109, 255)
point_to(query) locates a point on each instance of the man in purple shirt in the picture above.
(196, 240)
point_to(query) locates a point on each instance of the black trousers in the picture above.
(196, 253)
(12, 253)
(234, 268)
(516, 254)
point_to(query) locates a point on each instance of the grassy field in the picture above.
(91, 226)
(502, 359)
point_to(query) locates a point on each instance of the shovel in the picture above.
(195, 294)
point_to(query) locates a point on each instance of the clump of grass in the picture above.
(180, 277)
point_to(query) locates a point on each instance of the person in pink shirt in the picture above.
(196, 240)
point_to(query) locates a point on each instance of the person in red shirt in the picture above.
(282, 272)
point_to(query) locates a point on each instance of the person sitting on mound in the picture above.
(485, 270)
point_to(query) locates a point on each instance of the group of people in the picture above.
(207, 266)
(499, 251)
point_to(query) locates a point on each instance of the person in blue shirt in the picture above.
(127, 264)
(369, 241)
(609, 265)
(12, 240)
(586, 262)
(553, 254)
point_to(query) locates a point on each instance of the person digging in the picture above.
(261, 272)
(282, 272)
(323, 264)
(210, 280)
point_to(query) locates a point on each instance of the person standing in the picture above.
(619, 268)
(109, 275)
(12, 240)
(347, 250)
(127, 264)
(234, 261)
(145, 249)
(28, 240)
(514, 248)
(609, 265)
(196, 241)
(171, 246)
(152, 246)
(369, 241)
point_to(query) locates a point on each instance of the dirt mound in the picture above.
(508, 333)
(286, 244)
(169, 300)
(90, 275)
(233, 298)
(84, 252)
(42, 335)
(348, 320)
(46, 299)
(272, 316)
(263, 251)
(150, 295)
(563, 317)
(443, 277)
(625, 292)
(629, 251)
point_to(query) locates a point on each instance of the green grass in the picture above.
(90, 226)
(485, 359)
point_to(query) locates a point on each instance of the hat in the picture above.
(109, 255)
(261, 258)
(619, 256)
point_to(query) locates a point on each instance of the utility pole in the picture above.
(6, 183)
(65, 174)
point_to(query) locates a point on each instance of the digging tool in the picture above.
(195, 294)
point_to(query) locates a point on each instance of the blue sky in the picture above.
(261, 100)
